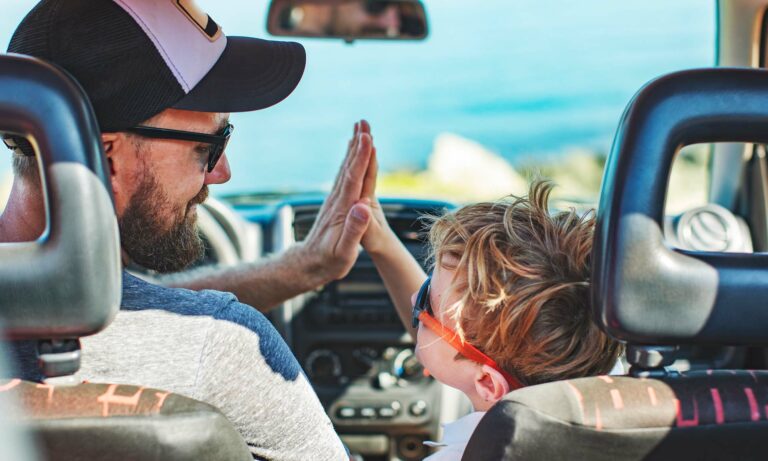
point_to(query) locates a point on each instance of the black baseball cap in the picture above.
(136, 58)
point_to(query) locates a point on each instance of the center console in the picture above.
(359, 358)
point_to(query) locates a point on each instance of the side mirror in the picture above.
(348, 19)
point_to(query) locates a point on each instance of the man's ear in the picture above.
(112, 143)
(490, 385)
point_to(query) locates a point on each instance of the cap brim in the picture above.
(251, 74)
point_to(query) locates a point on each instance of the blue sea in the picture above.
(525, 78)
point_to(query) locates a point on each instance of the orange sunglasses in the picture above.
(422, 312)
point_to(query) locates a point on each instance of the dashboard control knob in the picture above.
(406, 365)
(385, 380)
(418, 408)
(323, 365)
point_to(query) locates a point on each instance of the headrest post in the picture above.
(58, 357)
(650, 361)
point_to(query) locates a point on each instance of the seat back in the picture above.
(16, 442)
(703, 415)
(651, 296)
(68, 284)
(111, 421)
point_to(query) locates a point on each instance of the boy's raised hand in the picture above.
(401, 273)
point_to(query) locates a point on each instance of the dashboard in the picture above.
(349, 339)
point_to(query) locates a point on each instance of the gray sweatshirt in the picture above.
(208, 346)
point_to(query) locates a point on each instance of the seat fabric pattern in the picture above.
(112, 421)
(710, 415)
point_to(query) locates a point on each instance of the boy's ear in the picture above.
(490, 385)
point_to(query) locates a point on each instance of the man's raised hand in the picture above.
(332, 243)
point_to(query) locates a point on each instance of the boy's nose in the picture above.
(413, 298)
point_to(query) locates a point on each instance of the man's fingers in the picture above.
(354, 135)
(351, 151)
(360, 127)
(342, 190)
(353, 178)
(365, 127)
(355, 225)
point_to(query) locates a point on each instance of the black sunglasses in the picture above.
(422, 303)
(217, 141)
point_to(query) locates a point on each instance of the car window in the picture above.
(688, 179)
(500, 91)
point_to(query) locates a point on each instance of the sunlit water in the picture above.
(526, 78)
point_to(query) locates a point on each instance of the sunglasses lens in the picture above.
(214, 157)
(218, 149)
(422, 303)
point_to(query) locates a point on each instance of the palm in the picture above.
(335, 236)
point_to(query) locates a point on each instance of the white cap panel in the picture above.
(187, 39)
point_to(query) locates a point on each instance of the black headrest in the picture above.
(716, 415)
(643, 290)
(67, 284)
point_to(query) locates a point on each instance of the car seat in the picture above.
(16, 443)
(653, 297)
(67, 284)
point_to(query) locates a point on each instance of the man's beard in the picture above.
(145, 238)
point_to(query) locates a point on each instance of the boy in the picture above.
(506, 306)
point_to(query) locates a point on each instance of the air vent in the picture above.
(408, 223)
(712, 228)
(303, 218)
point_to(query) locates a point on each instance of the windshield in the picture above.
(499, 91)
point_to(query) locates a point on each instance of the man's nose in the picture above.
(221, 172)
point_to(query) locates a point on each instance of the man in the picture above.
(162, 78)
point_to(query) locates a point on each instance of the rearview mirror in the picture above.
(348, 19)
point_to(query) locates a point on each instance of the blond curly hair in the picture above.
(523, 279)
